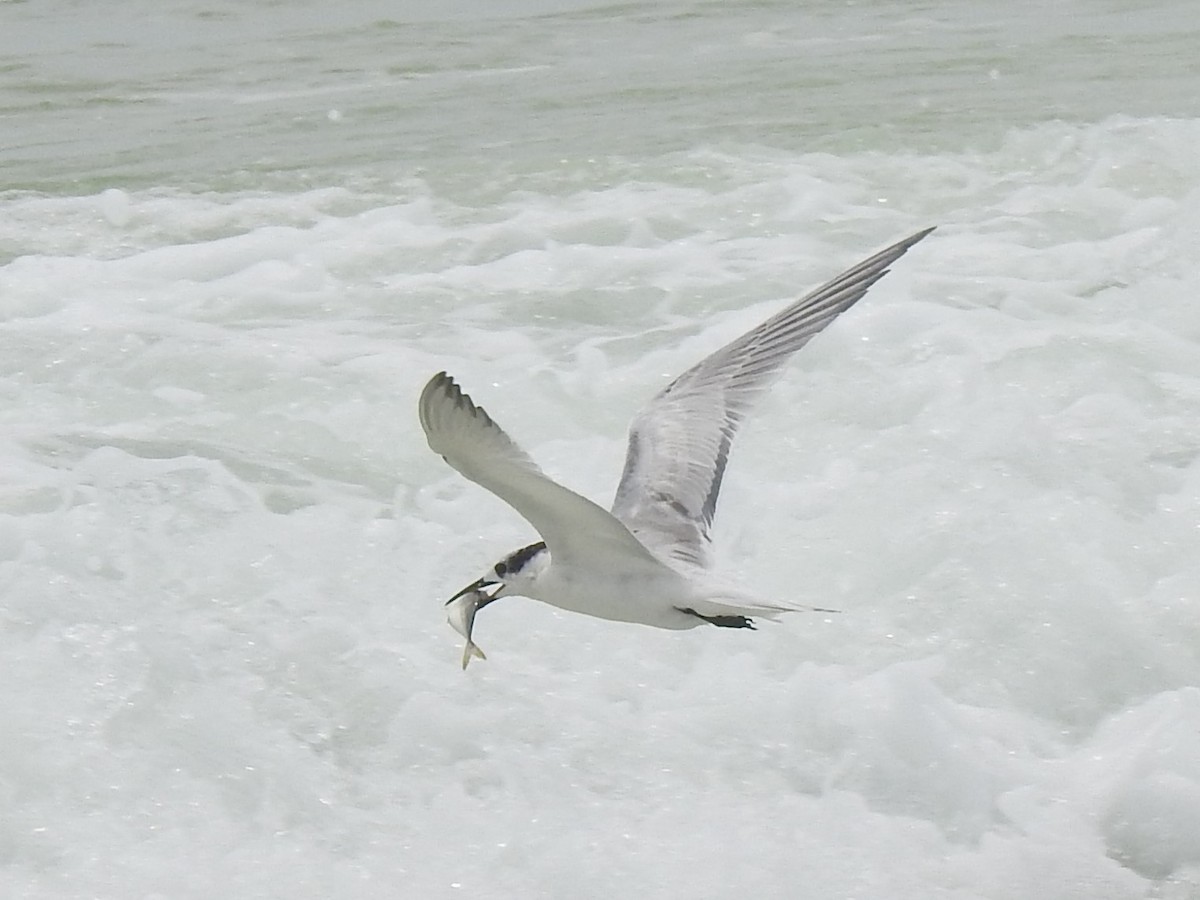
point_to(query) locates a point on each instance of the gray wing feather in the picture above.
(679, 443)
(573, 527)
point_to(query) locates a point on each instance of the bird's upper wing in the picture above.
(679, 443)
(573, 527)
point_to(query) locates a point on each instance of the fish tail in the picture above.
(469, 651)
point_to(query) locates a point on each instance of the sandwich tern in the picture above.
(645, 561)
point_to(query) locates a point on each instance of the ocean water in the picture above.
(237, 239)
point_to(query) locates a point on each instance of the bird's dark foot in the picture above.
(721, 621)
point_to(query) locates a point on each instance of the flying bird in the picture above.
(647, 559)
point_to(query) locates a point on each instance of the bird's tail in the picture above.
(732, 603)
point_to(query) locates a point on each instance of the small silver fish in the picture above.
(461, 617)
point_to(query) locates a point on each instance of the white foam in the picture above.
(225, 544)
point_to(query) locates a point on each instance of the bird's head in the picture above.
(515, 574)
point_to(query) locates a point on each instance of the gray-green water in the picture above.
(225, 96)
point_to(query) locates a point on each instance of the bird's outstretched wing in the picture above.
(574, 528)
(679, 443)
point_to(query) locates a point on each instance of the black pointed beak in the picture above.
(476, 586)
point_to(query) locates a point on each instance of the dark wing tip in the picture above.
(901, 246)
(898, 249)
(445, 385)
(441, 383)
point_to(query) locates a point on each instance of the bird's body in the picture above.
(649, 595)
(648, 592)
(646, 560)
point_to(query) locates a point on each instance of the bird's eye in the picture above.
(501, 569)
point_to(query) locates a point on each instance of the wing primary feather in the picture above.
(679, 443)
(709, 509)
